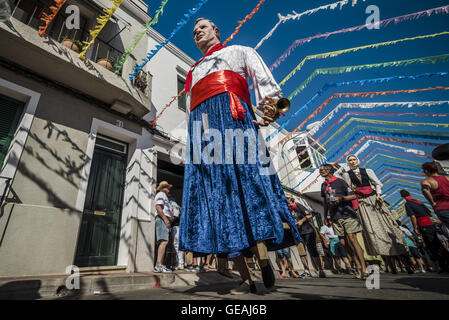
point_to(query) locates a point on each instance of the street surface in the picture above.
(401, 286)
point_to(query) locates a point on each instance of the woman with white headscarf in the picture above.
(381, 234)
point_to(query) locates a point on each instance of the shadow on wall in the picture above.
(21, 290)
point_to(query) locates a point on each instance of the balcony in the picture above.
(29, 12)
(45, 56)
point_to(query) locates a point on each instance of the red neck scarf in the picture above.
(293, 206)
(413, 200)
(328, 182)
(215, 48)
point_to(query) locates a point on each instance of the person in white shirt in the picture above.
(175, 233)
(332, 242)
(164, 218)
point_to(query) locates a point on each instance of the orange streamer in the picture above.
(248, 17)
(48, 18)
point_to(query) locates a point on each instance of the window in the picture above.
(182, 98)
(306, 163)
(10, 113)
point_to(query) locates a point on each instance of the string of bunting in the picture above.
(380, 24)
(237, 29)
(340, 70)
(346, 69)
(139, 36)
(368, 130)
(361, 82)
(405, 149)
(248, 17)
(346, 137)
(334, 54)
(297, 16)
(179, 26)
(351, 95)
(48, 18)
(415, 154)
(102, 20)
(401, 171)
(315, 129)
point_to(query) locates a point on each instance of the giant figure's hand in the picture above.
(270, 113)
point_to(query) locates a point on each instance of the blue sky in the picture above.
(227, 13)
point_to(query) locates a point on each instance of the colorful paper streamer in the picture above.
(102, 20)
(179, 26)
(351, 95)
(48, 18)
(340, 70)
(405, 149)
(333, 54)
(367, 130)
(325, 143)
(248, 17)
(139, 36)
(297, 16)
(237, 29)
(381, 24)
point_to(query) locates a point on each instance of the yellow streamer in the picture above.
(102, 20)
(339, 52)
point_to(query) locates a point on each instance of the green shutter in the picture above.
(10, 112)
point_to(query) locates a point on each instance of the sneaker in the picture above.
(191, 269)
(180, 267)
(161, 268)
(423, 271)
(244, 288)
(322, 274)
(198, 269)
(306, 274)
(283, 276)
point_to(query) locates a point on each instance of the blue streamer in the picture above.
(345, 83)
(179, 25)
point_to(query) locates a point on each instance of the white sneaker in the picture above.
(423, 271)
(306, 273)
(161, 268)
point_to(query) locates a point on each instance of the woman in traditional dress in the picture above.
(381, 234)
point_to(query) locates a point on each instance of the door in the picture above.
(10, 113)
(100, 228)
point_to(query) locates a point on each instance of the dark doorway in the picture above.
(100, 228)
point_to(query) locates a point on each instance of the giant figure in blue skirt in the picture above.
(233, 201)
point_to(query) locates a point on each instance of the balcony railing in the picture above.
(29, 13)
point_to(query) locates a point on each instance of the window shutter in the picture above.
(10, 112)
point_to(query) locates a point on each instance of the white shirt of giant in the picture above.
(242, 60)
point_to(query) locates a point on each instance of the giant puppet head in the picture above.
(205, 34)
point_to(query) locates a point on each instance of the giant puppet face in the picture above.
(205, 34)
(353, 162)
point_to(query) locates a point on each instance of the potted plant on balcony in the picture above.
(106, 62)
(74, 45)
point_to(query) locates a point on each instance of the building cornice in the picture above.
(171, 47)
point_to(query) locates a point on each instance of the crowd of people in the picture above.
(352, 204)
(237, 209)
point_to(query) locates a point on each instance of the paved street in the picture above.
(401, 286)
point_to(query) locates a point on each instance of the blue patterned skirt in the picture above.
(228, 206)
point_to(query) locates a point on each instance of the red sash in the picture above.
(364, 192)
(219, 82)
